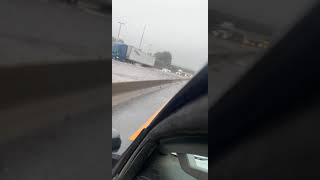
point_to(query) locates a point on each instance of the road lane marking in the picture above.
(146, 124)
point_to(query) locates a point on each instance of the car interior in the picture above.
(266, 125)
(177, 134)
(175, 140)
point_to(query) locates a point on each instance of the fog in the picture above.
(177, 26)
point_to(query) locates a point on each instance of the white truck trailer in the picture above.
(138, 56)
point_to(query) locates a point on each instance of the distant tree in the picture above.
(120, 40)
(163, 59)
(117, 40)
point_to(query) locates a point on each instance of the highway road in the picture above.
(122, 72)
(131, 116)
(79, 146)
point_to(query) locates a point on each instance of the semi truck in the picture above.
(119, 51)
(126, 53)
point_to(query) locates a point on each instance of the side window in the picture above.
(198, 162)
(175, 166)
(194, 165)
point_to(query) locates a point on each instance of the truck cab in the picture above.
(119, 51)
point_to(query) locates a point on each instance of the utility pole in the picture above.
(120, 23)
(142, 36)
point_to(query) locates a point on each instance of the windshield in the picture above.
(157, 47)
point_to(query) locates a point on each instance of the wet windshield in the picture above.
(157, 47)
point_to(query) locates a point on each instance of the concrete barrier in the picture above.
(124, 87)
(124, 91)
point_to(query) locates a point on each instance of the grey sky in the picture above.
(178, 26)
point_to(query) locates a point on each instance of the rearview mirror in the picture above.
(116, 140)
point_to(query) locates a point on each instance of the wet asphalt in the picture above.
(128, 117)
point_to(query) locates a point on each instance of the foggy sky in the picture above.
(178, 26)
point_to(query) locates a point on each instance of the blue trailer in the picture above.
(119, 51)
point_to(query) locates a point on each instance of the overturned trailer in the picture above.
(139, 56)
